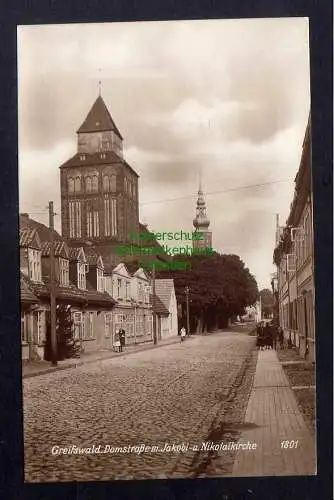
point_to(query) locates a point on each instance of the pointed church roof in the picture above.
(99, 119)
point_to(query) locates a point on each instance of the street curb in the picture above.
(88, 361)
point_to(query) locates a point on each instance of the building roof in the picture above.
(164, 289)
(29, 238)
(26, 294)
(43, 231)
(99, 119)
(72, 294)
(92, 257)
(95, 159)
(75, 252)
(60, 249)
(160, 308)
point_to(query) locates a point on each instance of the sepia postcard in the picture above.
(166, 250)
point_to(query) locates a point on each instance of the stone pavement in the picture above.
(156, 397)
(274, 421)
(36, 368)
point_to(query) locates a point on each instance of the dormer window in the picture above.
(35, 264)
(127, 290)
(119, 288)
(100, 280)
(103, 156)
(63, 272)
(81, 275)
(82, 157)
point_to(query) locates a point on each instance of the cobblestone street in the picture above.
(175, 394)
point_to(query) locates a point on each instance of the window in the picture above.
(93, 229)
(34, 264)
(70, 184)
(103, 156)
(119, 288)
(105, 183)
(82, 157)
(107, 325)
(88, 184)
(113, 182)
(39, 327)
(78, 325)
(77, 185)
(95, 184)
(308, 236)
(127, 290)
(24, 328)
(140, 292)
(91, 325)
(110, 216)
(81, 276)
(100, 280)
(63, 272)
(75, 219)
(96, 228)
(147, 295)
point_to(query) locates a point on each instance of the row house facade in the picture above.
(102, 300)
(133, 309)
(89, 306)
(294, 258)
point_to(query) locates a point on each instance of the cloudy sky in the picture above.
(227, 97)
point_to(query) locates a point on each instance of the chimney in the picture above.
(24, 217)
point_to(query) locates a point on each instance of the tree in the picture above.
(67, 345)
(267, 302)
(220, 287)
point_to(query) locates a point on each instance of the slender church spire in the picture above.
(201, 221)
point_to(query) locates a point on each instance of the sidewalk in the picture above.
(273, 416)
(35, 368)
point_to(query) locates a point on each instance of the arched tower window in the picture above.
(70, 184)
(88, 184)
(113, 183)
(77, 185)
(95, 184)
(105, 183)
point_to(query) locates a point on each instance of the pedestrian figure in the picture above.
(274, 333)
(122, 338)
(117, 342)
(259, 341)
(267, 337)
(183, 334)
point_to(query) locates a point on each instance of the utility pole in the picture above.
(187, 302)
(154, 307)
(52, 288)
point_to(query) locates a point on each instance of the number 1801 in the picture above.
(289, 444)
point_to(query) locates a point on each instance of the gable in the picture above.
(121, 270)
(164, 289)
(29, 238)
(140, 273)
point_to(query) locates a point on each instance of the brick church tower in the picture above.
(99, 189)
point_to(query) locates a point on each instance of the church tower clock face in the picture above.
(98, 187)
